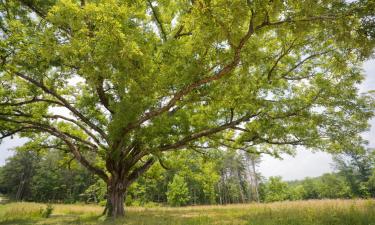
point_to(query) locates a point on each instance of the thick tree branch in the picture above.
(88, 132)
(103, 96)
(76, 152)
(34, 123)
(207, 132)
(139, 171)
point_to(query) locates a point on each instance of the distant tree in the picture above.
(17, 173)
(131, 80)
(96, 192)
(356, 167)
(178, 192)
(371, 184)
(233, 184)
(311, 188)
(275, 190)
(333, 186)
(252, 161)
(55, 180)
(297, 192)
(33, 176)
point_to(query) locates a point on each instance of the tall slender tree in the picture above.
(129, 80)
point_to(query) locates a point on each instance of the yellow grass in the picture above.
(340, 212)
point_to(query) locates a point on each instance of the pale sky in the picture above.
(304, 164)
(308, 164)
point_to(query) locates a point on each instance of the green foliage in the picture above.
(47, 211)
(119, 84)
(276, 190)
(16, 175)
(43, 178)
(96, 193)
(371, 183)
(216, 177)
(356, 168)
(322, 212)
(333, 186)
(178, 193)
(297, 192)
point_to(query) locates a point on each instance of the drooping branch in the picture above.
(65, 103)
(31, 125)
(34, 123)
(75, 152)
(10, 133)
(84, 129)
(80, 140)
(87, 131)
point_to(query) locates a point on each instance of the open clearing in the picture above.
(340, 212)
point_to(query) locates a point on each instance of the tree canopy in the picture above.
(129, 81)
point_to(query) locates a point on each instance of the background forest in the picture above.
(187, 178)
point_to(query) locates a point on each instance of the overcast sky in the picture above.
(304, 164)
(308, 164)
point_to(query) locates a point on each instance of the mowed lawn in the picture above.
(330, 212)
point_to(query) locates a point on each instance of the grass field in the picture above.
(330, 212)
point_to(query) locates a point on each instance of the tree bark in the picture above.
(116, 192)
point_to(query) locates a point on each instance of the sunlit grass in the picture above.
(332, 212)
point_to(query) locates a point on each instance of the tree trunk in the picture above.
(115, 199)
(21, 186)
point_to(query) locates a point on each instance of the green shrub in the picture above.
(178, 192)
(46, 212)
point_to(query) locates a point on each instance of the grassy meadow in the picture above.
(330, 212)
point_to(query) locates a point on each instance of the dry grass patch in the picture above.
(325, 212)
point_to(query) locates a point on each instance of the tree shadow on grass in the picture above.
(53, 220)
(18, 222)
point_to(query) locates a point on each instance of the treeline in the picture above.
(186, 178)
(355, 178)
(30, 176)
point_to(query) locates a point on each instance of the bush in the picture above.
(178, 192)
(46, 212)
(276, 190)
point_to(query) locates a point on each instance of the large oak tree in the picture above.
(119, 83)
